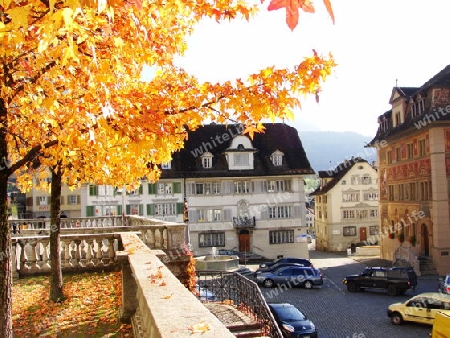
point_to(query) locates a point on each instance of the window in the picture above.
(73, 199)
(166, 166)
(389, 156)
(281, 236)
(397, 154)
(277, 158)
(93, 190)
(370, 196)
(163, 209)
(199, 189)
(373, 213)
(349, 231)
(242, 187)
(344, 182)
(355, 180)
(391, 192)
(207, 160)
(363, 214)
(42, 200)
(350, 197)
(280, 212)
(422, 149)
(206, 239)
(347, 214)
(109, 210)
(279, 186)
(241, 159)
(366, 180)
(374, 230)
(105, 190)
(409, 151)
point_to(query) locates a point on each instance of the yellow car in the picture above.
(421, 308)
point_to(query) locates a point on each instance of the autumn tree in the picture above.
(71, 94)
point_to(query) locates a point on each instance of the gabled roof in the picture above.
(336, 174)
(216, 139)
(404, 92)
(441, 79)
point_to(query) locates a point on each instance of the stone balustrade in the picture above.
(156, 302)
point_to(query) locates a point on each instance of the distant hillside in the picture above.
(326, 149)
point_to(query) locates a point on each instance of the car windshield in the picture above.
(447, 279)
(289, 314)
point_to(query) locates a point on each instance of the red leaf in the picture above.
(292, 7)
(329, 9)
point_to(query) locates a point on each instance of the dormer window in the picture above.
(207, 160)
(167, 165)
(277, 158)
(240, 153)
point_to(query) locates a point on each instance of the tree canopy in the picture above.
(71, 91)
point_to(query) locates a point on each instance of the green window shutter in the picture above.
(128, 209)
(141, 210)
(150, 209)
(141, 189)
(152, 189)
(89, 211)
(119, 210)
(180, 208)
(93, 190)
(176, 187)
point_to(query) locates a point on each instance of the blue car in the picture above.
(291, 276)
(291, 321)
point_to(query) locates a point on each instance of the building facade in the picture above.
(346, 206)
(236, 193)
(413, 149)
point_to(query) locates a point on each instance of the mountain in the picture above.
(327, 149)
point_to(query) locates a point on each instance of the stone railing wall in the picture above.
(80, 245)
(155, 301)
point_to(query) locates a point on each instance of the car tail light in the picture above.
(448, 289)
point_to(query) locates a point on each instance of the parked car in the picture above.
(204, 294)
(444, 284)
(303, 261)
(291, 321)
(421, 308)
(274, 267)
(291, 276)
(395, 280)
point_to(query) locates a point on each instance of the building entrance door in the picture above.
(425, 245)
(363, 234)
(244, 241)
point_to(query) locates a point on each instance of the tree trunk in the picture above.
(5, 233)
(56, 280)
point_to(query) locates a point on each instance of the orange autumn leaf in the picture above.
(199, 328)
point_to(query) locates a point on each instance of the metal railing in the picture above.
(244, 293)
(244, 222)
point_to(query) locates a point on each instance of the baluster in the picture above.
(99, 253)
(23, 257)
(66, 244)
(33, 256)
(45, 247)
(152, 240)
(161, 238)
(15, 273)
(111, 251)
(89, 243)
(77, 243)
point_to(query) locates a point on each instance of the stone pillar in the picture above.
(129, 289)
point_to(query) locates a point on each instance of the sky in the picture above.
(376, 44)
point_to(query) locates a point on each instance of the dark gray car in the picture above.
(291, 276)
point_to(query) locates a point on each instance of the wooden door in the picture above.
(363, 234)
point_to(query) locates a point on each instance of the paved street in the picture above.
(340, 314)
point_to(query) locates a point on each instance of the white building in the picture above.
(346, 206)
(242, 194)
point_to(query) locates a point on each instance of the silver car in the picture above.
(444, 284)
(291, 276)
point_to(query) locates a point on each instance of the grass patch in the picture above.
(90, 310)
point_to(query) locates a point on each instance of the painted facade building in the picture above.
(346, 206)
(413, 150)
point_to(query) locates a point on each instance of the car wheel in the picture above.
(268, 283)
(352, 287)
(308, 284)
(396, 318)
(392, 290)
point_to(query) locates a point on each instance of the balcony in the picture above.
(244, 222)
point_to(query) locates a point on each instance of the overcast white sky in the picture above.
(373, 42)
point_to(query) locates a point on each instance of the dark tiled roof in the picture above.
(441, 79)
(337, 174)
(217, 138)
